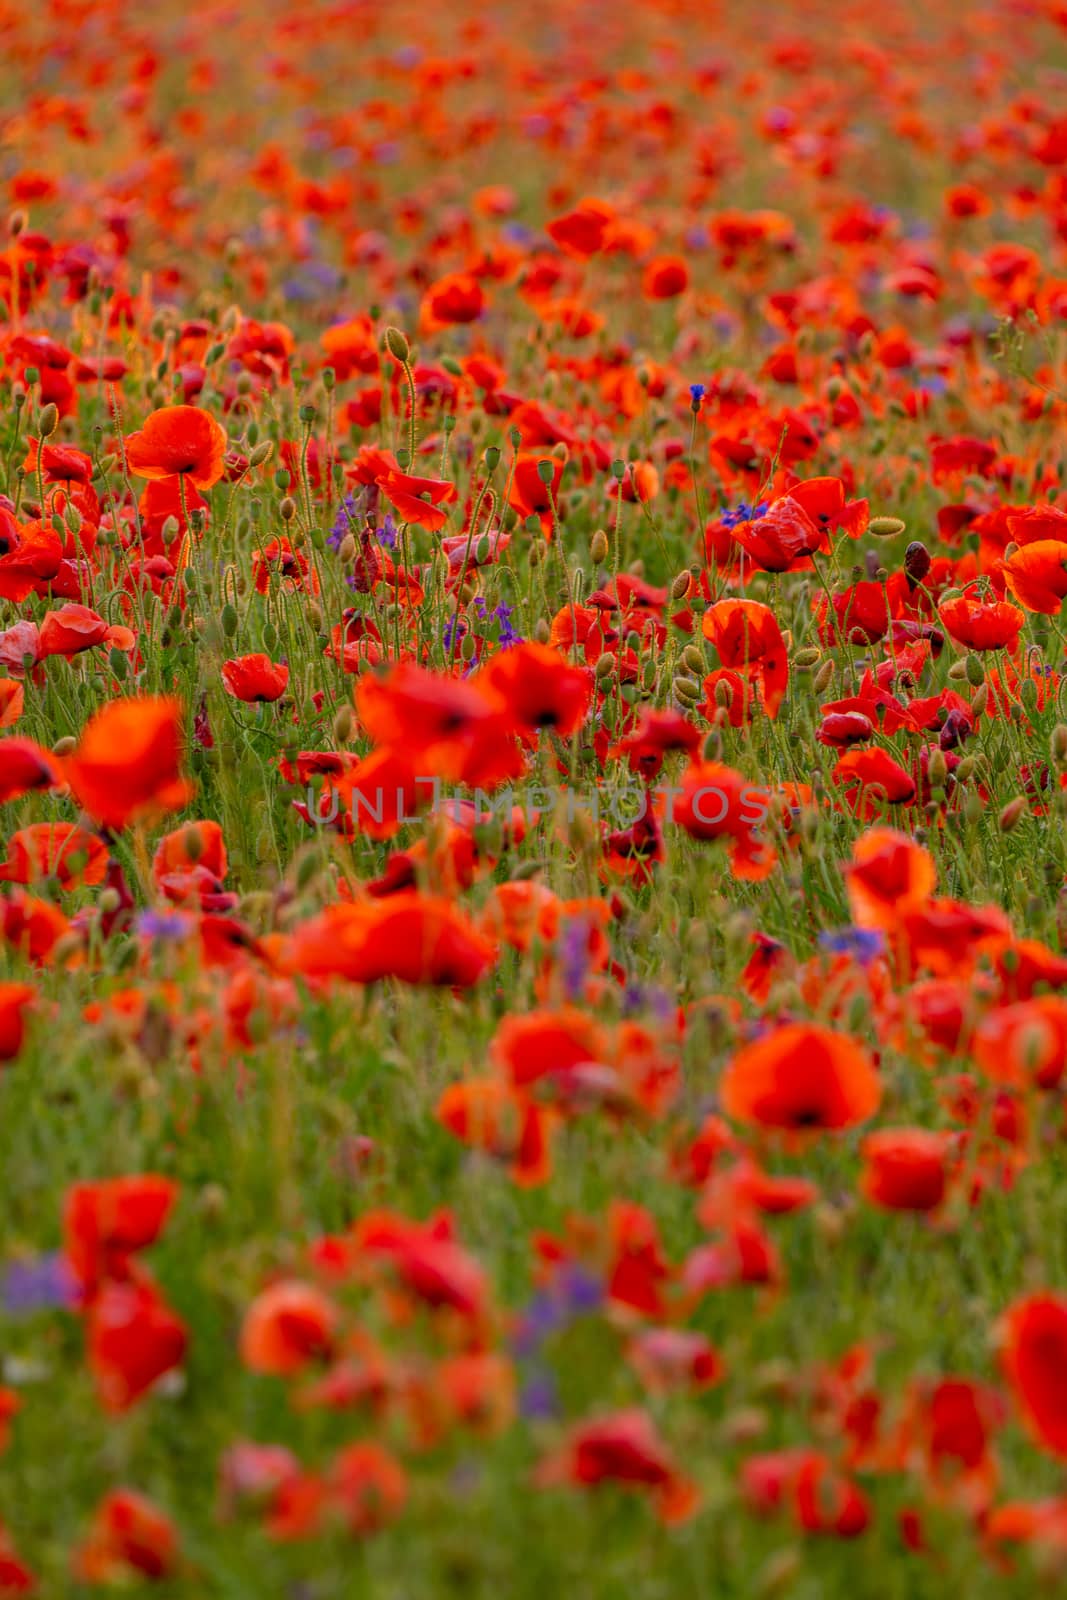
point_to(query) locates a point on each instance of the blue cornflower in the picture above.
(162, 924)
(697, 392)
(864, 945)
(37, 1284)
(744, 513)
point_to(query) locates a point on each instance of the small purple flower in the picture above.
(166, 925)
(387, 534)
(39, 1283)
(574, 955)
(538, 1398)
(864, 945)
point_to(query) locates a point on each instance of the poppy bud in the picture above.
(598, 546)
(109, 901)
(978, 704)
(397, 345)
(48, 420)
(1011, 813)
(965, 770)
(119, 664)
(648, 676)
(681, 585)
(712, 750)
(687, 689)
(262, 453)
(958, 671)
(937, 770)
(287, 509)
(542, 631)
(806, 658)
(16, 222)
(342, 724)
(604, 668)
(346, 550)
(724, 694)
(229, 620)
(64, 746)
(885, 527)
(1058, 744)
(314, 611)
(975, 671)
(824, 677)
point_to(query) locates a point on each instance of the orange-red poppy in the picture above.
(801, 1077)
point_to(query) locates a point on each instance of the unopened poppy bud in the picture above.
(724, 694)
(48, 421)
(314, 611)
(16, 222)
(693, 657)
(965, 770)
(916, 562)
(885, 527)
(119, 664)
(542, 631)
(342, 724)
(712, 750)
(229, 619)
(824, 677)
(1011, 813)
(262, 453)
(468, 591)
(648, 676)
(975, 671)
(559, 451)
(598, 546)
(287, 509)
(681, 586)
(958, 671)
(468, 645)
(397, 345)
(64, 746)
(347, 548)
(1058, 744)
(807, 658)
(1010, 549)
(109, 901)
(687, 689)
(604, 668)
(937, 770)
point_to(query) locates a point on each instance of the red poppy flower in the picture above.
(536, 687)
(127, 763)
(129, 1538)
(179, 441)
(255, 678)
(905, 1168)
(418, 500)
(749, 640)
(624, 1448)
(979, 624)
(1036, 574)
(288, 1326)
(132, 1339)
(801, 1077)
(1035, 1358)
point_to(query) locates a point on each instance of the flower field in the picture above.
(533, 767)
